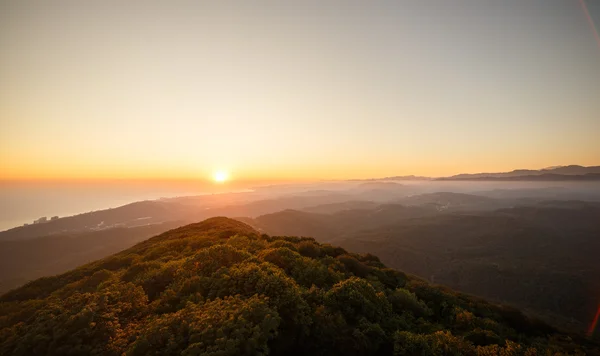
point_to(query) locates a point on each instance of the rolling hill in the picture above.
(187, 209)
(541, 257)
(219, 287)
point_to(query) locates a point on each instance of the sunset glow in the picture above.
(298, 91)
(221, 176)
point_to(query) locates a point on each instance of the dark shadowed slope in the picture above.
(23, 261)
(454, 201)
(330, 227)
(220, 288)
(337, 207)
(541, 257)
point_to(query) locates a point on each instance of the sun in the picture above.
(220, 176)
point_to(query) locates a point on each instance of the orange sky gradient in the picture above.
(295, 92)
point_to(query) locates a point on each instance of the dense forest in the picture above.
(542, 257)
(220, 288)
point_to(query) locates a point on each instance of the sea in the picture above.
(24, 201)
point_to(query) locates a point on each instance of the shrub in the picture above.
(248, 325)
(403, 301)
(354, 266)
(355, 298)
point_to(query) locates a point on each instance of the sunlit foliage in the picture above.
(221, 288)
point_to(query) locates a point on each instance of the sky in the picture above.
(282, 90)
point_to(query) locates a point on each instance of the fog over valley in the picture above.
(510, 241)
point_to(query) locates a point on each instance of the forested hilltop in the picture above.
(220, 288)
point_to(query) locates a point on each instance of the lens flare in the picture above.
(594, 323)
(590, 21)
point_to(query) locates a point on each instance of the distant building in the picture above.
(54, 218)
(41, 220)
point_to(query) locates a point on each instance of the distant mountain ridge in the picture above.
(533, 177)
(555, 173)
(571, 172)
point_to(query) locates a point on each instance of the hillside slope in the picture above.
(26, 260)
(542, 258)
(219, 288)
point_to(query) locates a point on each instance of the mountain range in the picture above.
(556, 173)
(565, 173)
